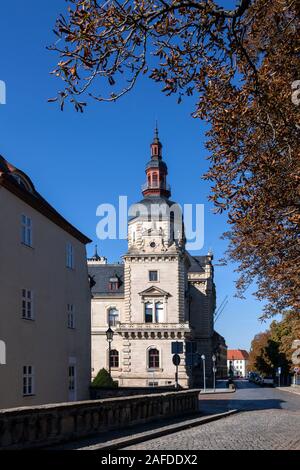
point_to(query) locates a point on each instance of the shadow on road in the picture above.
(212, 406)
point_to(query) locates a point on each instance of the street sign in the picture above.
(176, 360)
(177, 347)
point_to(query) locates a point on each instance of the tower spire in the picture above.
(96, 257)
(156, 131)
(156, 171)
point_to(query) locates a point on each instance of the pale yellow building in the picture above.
(158, 296)
(44, 299)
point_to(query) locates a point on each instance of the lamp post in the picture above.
(204, 378)
(109, 337)
(214, 370)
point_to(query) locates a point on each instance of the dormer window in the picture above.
(22, 181)
(114, 283)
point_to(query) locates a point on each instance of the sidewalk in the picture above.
(218, 390)
(292, 389)
(140, 433)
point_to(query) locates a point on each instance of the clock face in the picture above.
(152, 244)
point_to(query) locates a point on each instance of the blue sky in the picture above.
(78, 161)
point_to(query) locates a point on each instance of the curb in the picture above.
(285, 389)
(218, 392)
(149, 435)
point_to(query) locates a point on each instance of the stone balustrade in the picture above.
(43, 425)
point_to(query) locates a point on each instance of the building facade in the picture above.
(44, 299)
(158, 296)
(237, 362)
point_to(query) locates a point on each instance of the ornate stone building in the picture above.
(159, 295)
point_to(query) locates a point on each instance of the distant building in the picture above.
(158, 296)
(44, 299)
(237, 361)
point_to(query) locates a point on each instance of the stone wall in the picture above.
(39, 426)
(101, 393)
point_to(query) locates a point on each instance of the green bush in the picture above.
(103, 380)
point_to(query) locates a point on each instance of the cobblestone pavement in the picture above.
(269, 419)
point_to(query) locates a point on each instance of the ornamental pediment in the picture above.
(154, 291)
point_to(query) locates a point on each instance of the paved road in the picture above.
(268, 419)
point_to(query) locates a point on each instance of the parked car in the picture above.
(267, 382)
(253, 377)
(258, 380)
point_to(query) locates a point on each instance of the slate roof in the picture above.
(102, 274)
(198, 263)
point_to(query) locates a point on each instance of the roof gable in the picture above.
(155, 292)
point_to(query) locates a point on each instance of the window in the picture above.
(114, 282)
(114, 358)
(153, 276)
(154, 312)
(152, 384)
(155, 180)
(149, 312)
(113, 317)
(28, 380)
(26, 235)
(113, 285)
(70, 256)
(71, 378)
(27, 304)
(71, 316)
(153, 359)
(159, 312)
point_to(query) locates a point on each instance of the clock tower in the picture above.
(155, 275)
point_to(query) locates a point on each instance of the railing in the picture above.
(38, 426)
(164, 186)
(153, 326)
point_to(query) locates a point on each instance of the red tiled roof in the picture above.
(237, 354)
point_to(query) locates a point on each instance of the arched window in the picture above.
(159, 312)
(114, 358)
(113, 316)
(154, 180)
(149, 312)
(153, 358)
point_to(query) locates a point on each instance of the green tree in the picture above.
(273, 348)
(103, 380)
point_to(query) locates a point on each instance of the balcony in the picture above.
(164, 186)
(154, 330)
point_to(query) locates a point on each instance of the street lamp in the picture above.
(204, 378)
(109, 337)
(214, 370)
